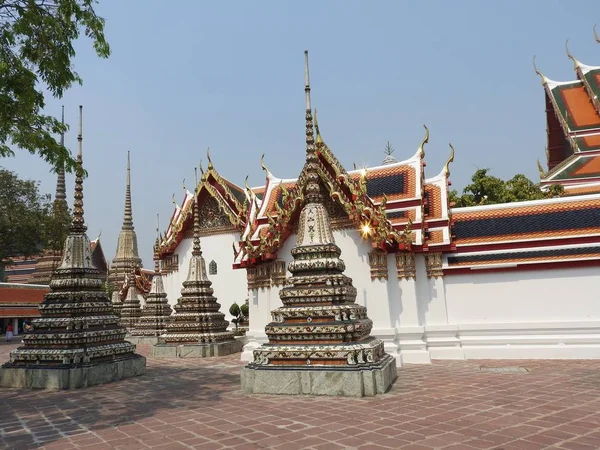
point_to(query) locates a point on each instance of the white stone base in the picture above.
(72, 378)
(254, 340)
(543, 340)
(365, 382)
(196, 350)
(142, 340)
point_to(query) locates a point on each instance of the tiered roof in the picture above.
(393, 204)
(573, 123)
(222, 204)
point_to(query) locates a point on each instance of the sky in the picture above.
(190, 74)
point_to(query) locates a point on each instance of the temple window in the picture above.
(212, 268)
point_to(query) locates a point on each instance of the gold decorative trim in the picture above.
(433, 265)
(266, 275)
(378, 263)
(405, 266)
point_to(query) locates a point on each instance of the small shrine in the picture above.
(156, 314)
(77, 341)
(197, 329)
(131, 310)
(319, 340)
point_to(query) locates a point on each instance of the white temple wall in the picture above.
(522, 314)
(483, 315)
(229, 285)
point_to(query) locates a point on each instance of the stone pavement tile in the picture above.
(572, 445)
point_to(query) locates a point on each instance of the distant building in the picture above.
(19, 302)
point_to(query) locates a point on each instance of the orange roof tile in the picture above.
(580, 108)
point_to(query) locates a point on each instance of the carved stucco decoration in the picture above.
(433, 265)
(378, 263)
(266, 275)
(405, 265)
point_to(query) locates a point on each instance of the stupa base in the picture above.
(32, 377)
(142, 340)
(344, 382)
(196, 350)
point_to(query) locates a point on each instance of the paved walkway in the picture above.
(197, 404)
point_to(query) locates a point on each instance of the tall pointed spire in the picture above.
(78, 341)
(127, 257)
(78, 224)
(61, 190)
(196, 250)
(128, 214)
(313, 189)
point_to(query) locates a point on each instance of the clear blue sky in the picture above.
(186, 75)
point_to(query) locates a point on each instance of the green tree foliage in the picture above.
(36, 49)
(24, 218)
(486, 189)
(57, 226)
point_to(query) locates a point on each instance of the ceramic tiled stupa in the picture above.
(131, 310)
(319, 340)
(197, 328)
(78, 341)
(156, 314)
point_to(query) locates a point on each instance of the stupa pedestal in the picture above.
(319, 340)
(78, 341)
(197, 328)
(156, 313)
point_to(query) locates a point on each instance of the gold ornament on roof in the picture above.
(423, 142)
(263, 165)
(450, 159)
(541, 169)
(571, 57)
(541, 75)
(210, 164)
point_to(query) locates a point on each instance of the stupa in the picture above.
(319, 340)
(78, 341)
(197, 329)
(117, 302)
(131, 310)
(127, 257)
(156, 314)
(51, 257)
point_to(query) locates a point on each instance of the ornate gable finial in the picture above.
(423, 142)
(450, 159)
(263, 165)
(210, 164)
(570, 56)
(184, 186)
(541, 169)
(78, 224)
(319, 138)
(541, 75)
(596, 35)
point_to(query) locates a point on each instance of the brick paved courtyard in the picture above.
(197, 404)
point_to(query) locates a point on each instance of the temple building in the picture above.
(78, 341)
(515, 280)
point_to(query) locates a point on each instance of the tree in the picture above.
(36, 45)
(486, 189)
(24, 218)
